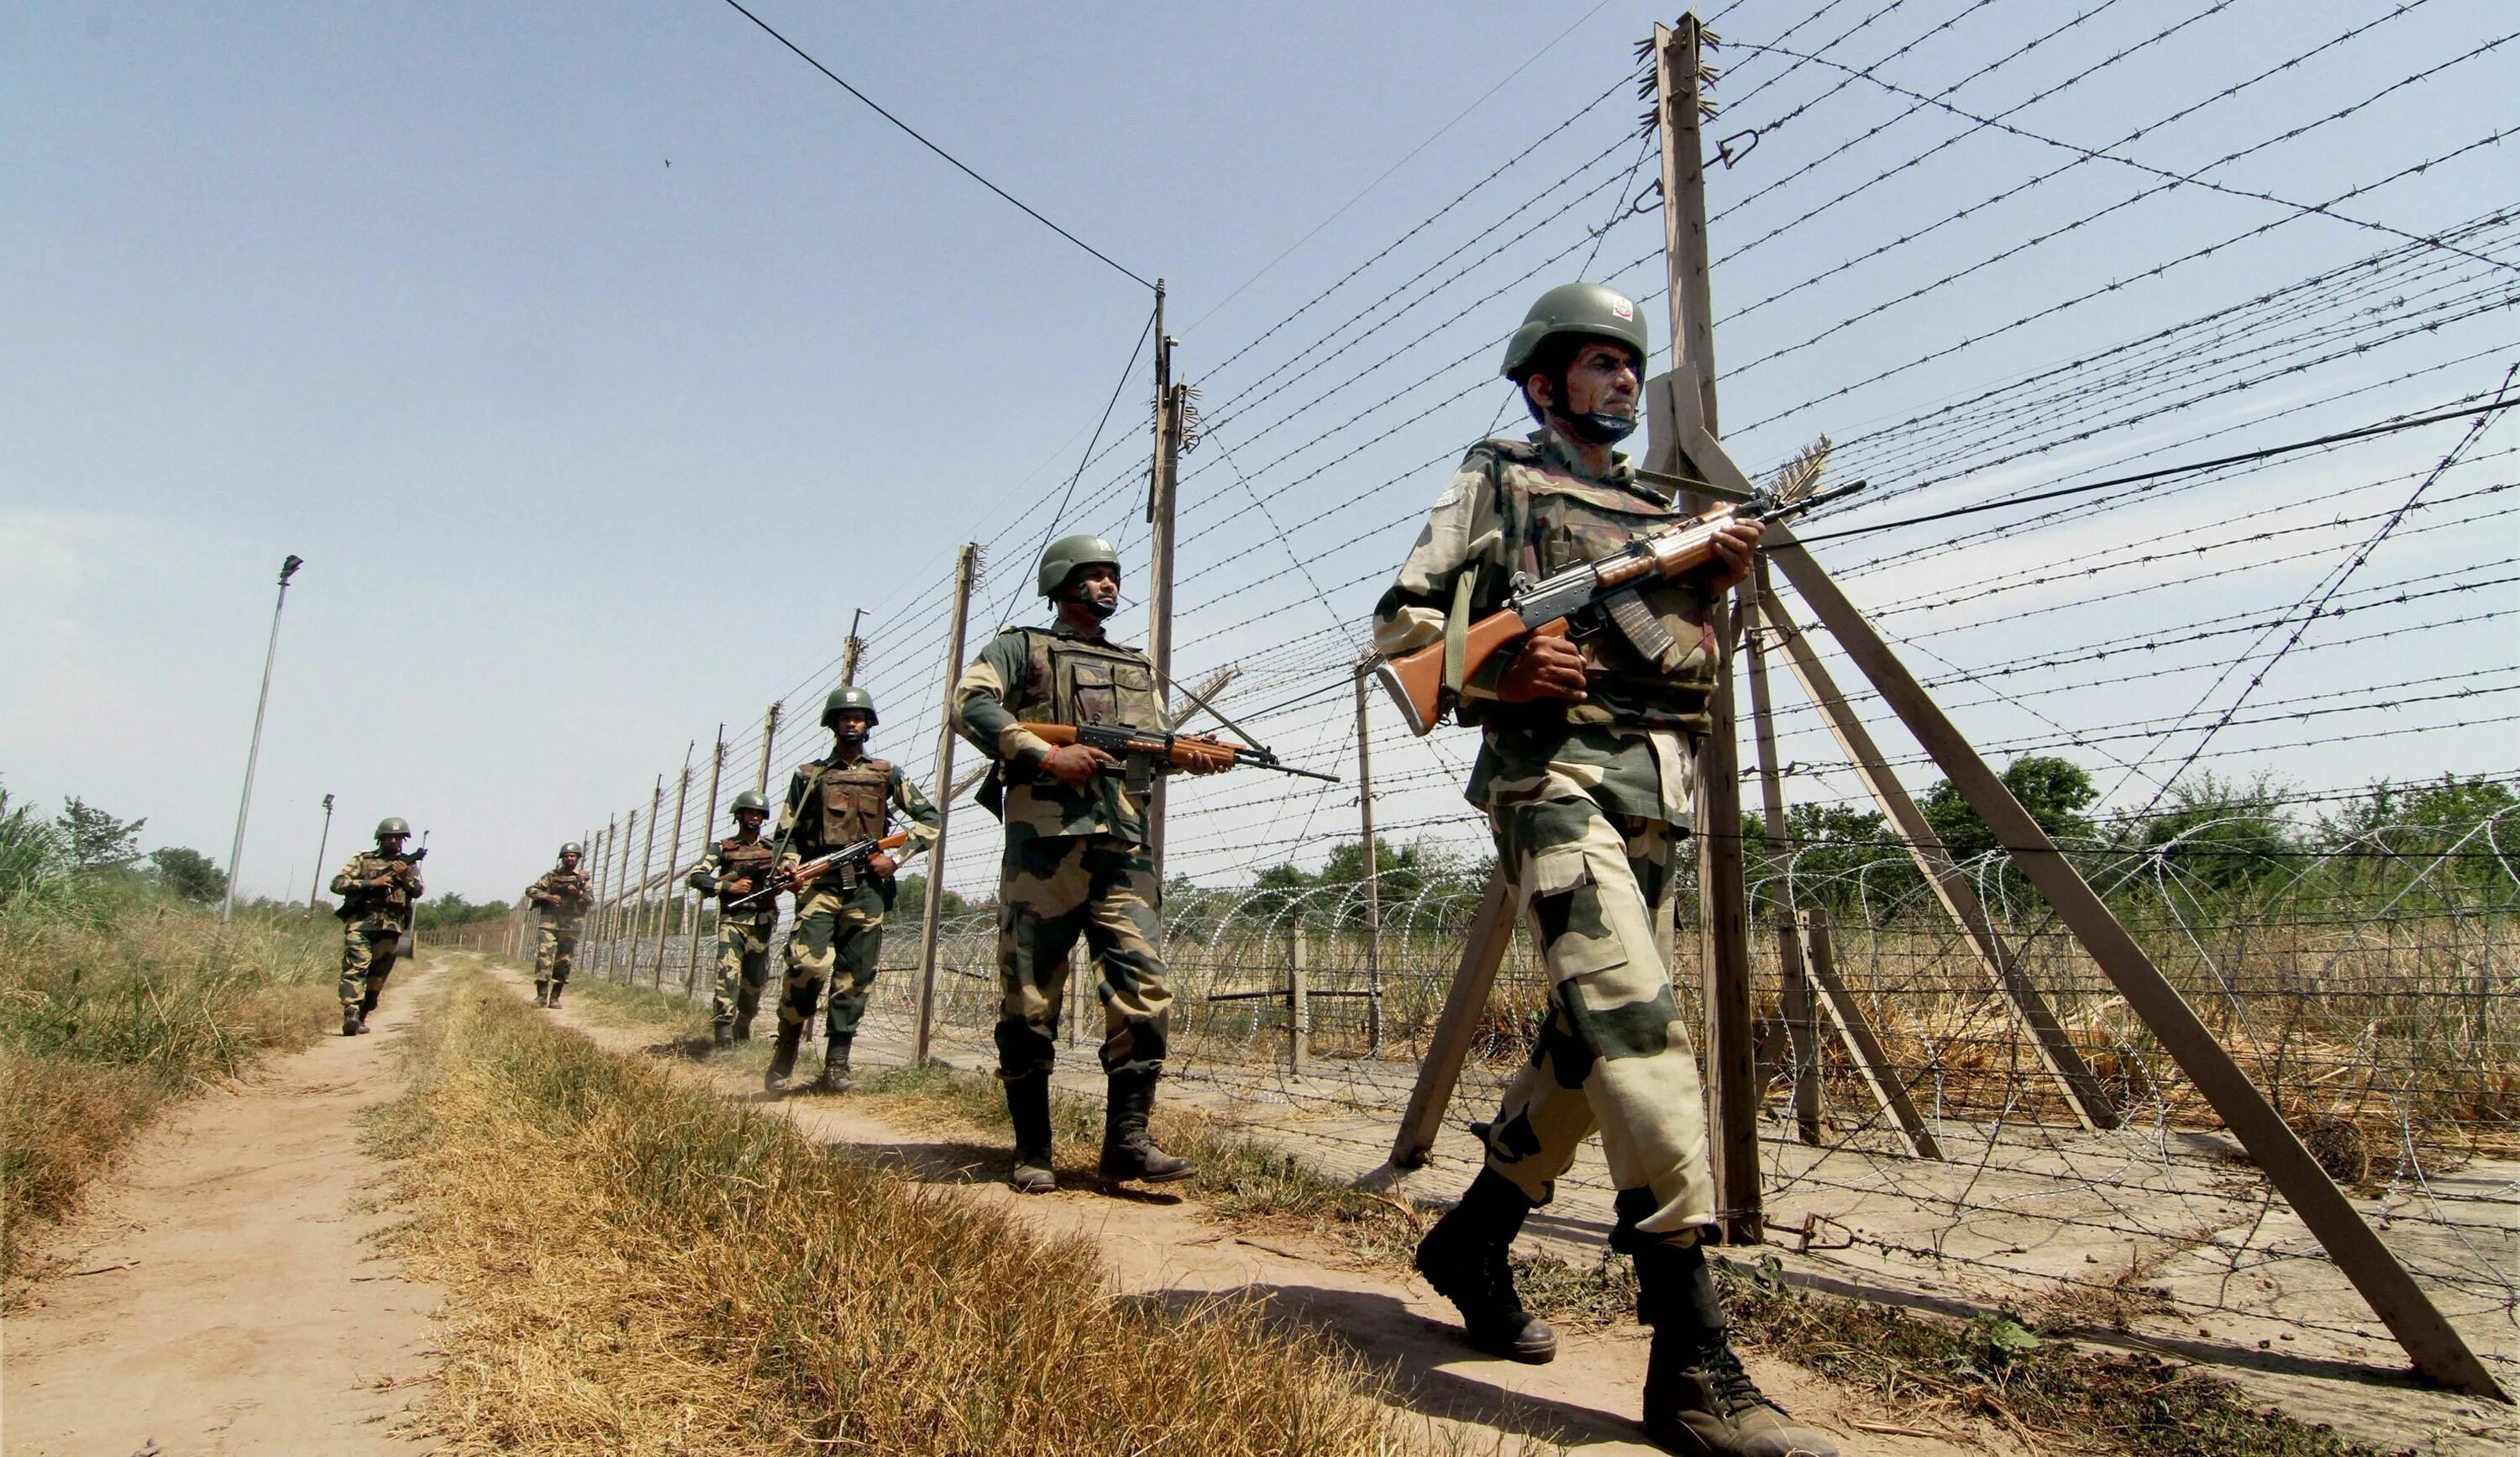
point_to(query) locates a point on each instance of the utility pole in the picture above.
(1731, 1079)
(1159, 588)
(854, 649)
(965, 571)
(1372, 865)
(321, 842)
(253, 750)
(769, 745)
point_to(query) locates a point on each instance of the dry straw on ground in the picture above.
(635, 1266)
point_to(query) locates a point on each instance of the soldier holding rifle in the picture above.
(737, 867)
(1585, 770)
(561, 898)
(377, 888)
(838, 803)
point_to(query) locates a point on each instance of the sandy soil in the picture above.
(1160, 1246)
(219, 1294)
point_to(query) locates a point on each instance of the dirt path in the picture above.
(225, 1298)
(1160, 1246)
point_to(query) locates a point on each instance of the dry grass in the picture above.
(105, 1019)
(640, 1267)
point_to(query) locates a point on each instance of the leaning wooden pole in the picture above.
(1795, 995)
(1731, 1075)
(699, 903)
(931, 925)
(673, 881)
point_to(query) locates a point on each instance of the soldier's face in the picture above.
(568, 862)
(1096, 584)
(390, 844)
(851, 724)
(1601, 380)
(751, 820)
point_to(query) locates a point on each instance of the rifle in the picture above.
(1180, 750)
(1581, 599)
(846, 858)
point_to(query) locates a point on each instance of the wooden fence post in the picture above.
(966, 568)
(1299, 1006)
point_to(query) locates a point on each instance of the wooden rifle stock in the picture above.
(1184, 751)
(1415, 680)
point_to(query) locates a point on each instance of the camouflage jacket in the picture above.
(575, 889)
(831, 804)
(738, 858)
(1056, 675)
(1518, 507)
(361, 902)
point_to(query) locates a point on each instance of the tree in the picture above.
(189, 874)
(2225, 834)
(96, 839)
(2056, 791)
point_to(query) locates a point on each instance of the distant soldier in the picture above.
(377, 888)
(561, 899)
(736, 867)
(833, 802)
(1075, 860)
(1585, 765)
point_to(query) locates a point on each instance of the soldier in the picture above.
(832, 802)
(377, 890)
(561, 898)
(738, 866)
(1584, 771)
(1075, 859)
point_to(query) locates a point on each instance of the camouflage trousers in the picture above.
(836, 938)
(1051, 890)
(555, 951)
(743, 970)
(1611, 1051)
(369, 947)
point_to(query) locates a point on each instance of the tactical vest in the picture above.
(1554, 521)
(1076, 682)
(571, 887)
(363, 900)
(852, 802)
(738, 861)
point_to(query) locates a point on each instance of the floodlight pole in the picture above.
(253, 750)
(323, 841)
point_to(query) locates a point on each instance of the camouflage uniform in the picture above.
(1587, 803)
(372, 924)
(742, 936)
(1075, 860)
(555, 925)
(838, 931)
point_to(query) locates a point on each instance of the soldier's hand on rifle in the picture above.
(1545, 667)
(881, 865)
(1076, 764)
(1733, 548)
(737, 888)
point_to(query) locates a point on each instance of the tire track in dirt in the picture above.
(238, 1306)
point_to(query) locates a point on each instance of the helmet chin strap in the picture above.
(1101, 609)
(1595, 427)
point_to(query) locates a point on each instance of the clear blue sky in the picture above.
(588, 451)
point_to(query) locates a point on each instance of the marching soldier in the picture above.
(377, 888)
(1075, 860)
(561, 899)
(738, 866)
(1584, 771)
(833, 802)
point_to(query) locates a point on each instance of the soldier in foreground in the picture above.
(1585, 770)
(838, 801)
(738, 866)
(1075, 860)
(377, 888)
(561, 900)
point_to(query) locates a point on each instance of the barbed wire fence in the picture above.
(1976, 309)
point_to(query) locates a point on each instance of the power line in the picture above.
(913, 133)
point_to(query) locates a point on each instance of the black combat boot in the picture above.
(835, 1066)
(722, 1036)
(557, 989)
(350, 1026)
(1465, 1257)
(782, 1058)
(542, 993)
(1698, 1401)
(748, 1003)
(1128, 1152)
(1028, 1107)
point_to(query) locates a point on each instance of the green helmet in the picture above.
(1059, 560)
(848, 696)
(749, 801)
(573, 848)
(1577, 310)
(393, 825)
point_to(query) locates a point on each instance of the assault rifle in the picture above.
(1582, 599)
(845, 859)
(1190, 752)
